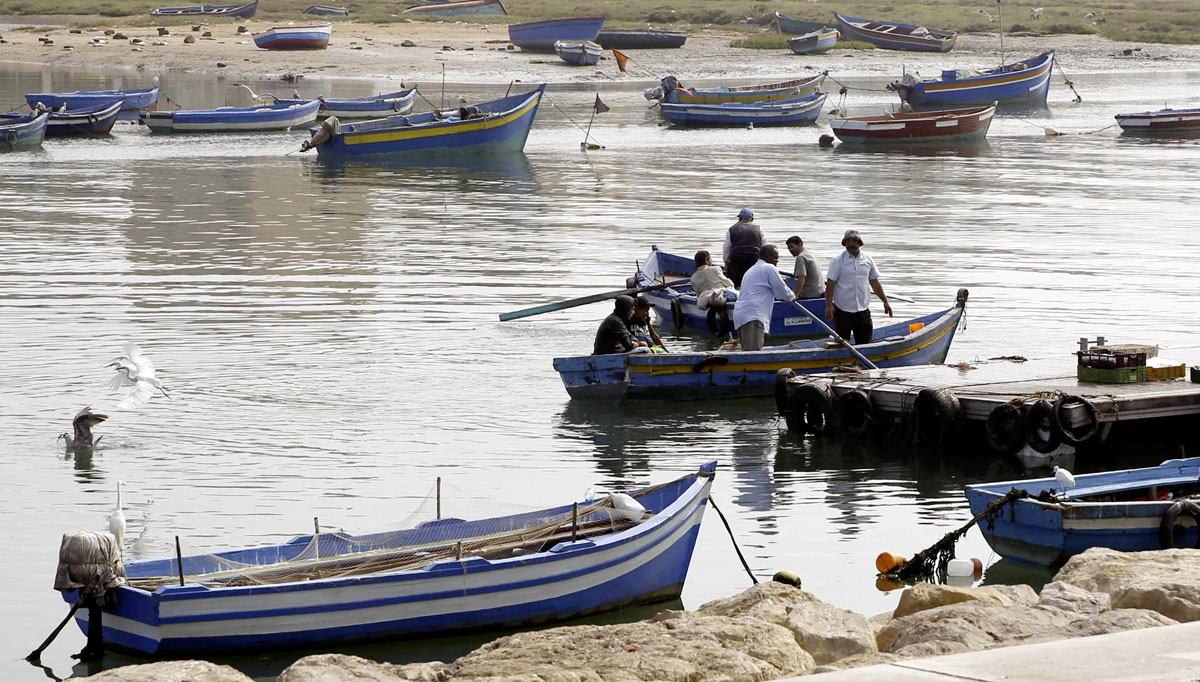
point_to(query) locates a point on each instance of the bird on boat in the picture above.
(1064, 478)
(116, 520)
(257, 97)
(83, 422)
(135, 369)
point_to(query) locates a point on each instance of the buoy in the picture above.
(887, 562)
(978, 565)
(787, 578)
(959, 581)
(887, 584)
(960, 568)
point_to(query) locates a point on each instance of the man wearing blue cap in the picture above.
(742, 245)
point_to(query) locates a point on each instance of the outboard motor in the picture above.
(654, 93)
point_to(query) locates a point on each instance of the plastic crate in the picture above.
(1160, 373)
(1120, 375)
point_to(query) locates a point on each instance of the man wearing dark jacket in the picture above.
(613, 335)
(742, 244)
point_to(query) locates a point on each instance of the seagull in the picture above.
(135, 369)
(84, 420)
(1064, 478)
(986, 14)
(296, 94)
(116, 521)
(254, 96)
(1089, 16)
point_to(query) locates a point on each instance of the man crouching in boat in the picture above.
(761, 285)
(613, 335)
(640, 325)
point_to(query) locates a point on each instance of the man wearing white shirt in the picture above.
(846, 290)
(761, 286)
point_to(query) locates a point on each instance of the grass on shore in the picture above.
(774, 41)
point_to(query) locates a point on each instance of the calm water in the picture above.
(330, 335)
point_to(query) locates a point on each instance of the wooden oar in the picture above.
(584, 300)
(817, 318)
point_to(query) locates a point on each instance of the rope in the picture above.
(731, 539)
(171, 101)
(845, 88)
(1051, 132)
(1067, 80)
(568, 117)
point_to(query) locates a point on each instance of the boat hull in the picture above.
(795, 27)
(641, 40)
(251, 119)
(578, 53)
(26, 132)
(880, 34)
(766, 92)
(540, 36)
(778, 113)
(97, 120)
(819, 41)
(241, 11)
(327, 11)
(1028, 86)
(455, 9)
(956, 126)
(134, 100)
(294, 37)
(1165, 121)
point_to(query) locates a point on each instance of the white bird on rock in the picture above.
(135, 369)
(1065, 478)
(116, 521)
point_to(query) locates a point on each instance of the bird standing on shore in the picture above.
(84, 420)
(135, 369)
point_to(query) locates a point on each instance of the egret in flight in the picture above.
(135, 369)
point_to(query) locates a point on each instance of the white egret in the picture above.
(1036, 13)
(84, 420)
(1065, 478)
(254, 96)
(135, 369)
(116, 521)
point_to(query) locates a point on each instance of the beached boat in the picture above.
(376, 106)
(540, 36)
(94, 120)
(640, 39)
(442, 576)
(578, 52)
(893, 35)
(498, 126)
(1130, 510)
(1164, 121)
(1024, 82)
(782, 112)
(22, 131)
(266, 117)
(327, 11)
(795, 27)
(937, 127)
(133, 100)
(240, 10)
(313, 37)
(455, 9)
(821, 40)
(670, 90)
(736, 374)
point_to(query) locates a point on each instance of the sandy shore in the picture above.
(475, 53)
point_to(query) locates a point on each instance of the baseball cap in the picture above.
(746, 213)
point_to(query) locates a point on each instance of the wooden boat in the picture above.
(240, 10)
(327, 11)
(640, 39)
(1024, 82)
(442, 576)
(455, 9)
(279, 116)
(22, 131)
(498, 126)
(1169, 121)
(795, 111)
(949, 125)
(821, 40)
(678, 303)
(1125, 510)
(377, 106)
(313, 37)
(670, 91)
(94, 120)
(736, 374)
(795, 27)
(578, 52)
(540, 36)
(893, 35)
(133, 100)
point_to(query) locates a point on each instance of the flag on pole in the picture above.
(599, 107)
(621, 59)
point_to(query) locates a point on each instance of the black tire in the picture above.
(1041, 416)
(854, 414)
(631, 282)
(677, 314)
(808, 408)
(11, 138)
(1079, 434)
(1005, 429)
(1166, 530)
(939, 417)
(781, 389)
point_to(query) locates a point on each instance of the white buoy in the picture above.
(627, 507)
(960, 568)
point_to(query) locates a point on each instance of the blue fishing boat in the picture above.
(22, 132)
(441, 576)
(264, 117)
(893, 35)
(820, 40)
(796, 111)
(498, 126)
(738, 374)
(795, 27)
(578, 52)
(671, 91)
(240, 10)
(1024, 82)
(1130, 510)
(134, 100)
(95, 120)
(375, 106)
(540, 36)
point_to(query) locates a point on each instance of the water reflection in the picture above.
(505, 173)
(968, 150)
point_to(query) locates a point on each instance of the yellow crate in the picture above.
(1159, 373)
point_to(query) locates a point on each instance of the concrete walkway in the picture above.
(1168, 654)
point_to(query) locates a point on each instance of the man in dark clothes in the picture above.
(613, 335)
(742, 244)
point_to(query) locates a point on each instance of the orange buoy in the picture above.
(887, 584)
(978, 566)
(886, 561)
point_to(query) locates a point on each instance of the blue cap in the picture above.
(745, 214)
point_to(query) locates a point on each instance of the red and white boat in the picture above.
(313, 37)
(1163, 121)
(947, 126)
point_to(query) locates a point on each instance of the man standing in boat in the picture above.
(761, 286)
(808, 270)
(743, 242)
(847, 297)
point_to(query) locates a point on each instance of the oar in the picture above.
(571, 303)
(817, 318)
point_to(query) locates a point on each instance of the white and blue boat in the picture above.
(742, 374)
(1021, 83)
(264, 117)
(783, 112)
(1130, 510)
(375, 106)
(501, 125)
(670, 91)
(310, 37)
(327, 11)
(134, 100)
(578, 52)
(816, 42)
(94, 120)
(22, 131)
(442, 576)
(540, 36)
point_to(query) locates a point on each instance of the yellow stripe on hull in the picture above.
(481, 124)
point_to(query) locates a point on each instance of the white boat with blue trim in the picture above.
(278, 116)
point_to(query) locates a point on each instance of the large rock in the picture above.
(857, 662)
(923, 596)
(829, 633)
(769, 601)
(1068, 597)
(1166, 581)
(342, 668)
(975, 624)
(1117, 620)
(172, 671)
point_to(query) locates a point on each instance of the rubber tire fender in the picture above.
(1166, 530)
(92, 119)
(1072, 436)
(1005, 429)
(781, 389)
(677, 313)
(809, 407)
(1042, 411)
(10, 137)
(937, 407)
(854, 414)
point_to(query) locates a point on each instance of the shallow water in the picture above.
(330, 336)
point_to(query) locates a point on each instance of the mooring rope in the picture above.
(851, 87)
(568, 117)
(737, 549)
(1067, 80)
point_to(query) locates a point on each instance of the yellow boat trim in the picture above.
(709, 98)
(434, 131)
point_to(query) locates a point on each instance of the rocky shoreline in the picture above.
(773, 630)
